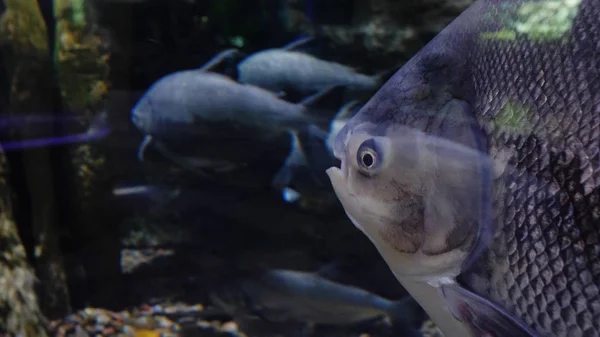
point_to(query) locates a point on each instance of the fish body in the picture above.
(186, 112)
(475, 171)
(283, 70)
(186, 104)
(281, 295)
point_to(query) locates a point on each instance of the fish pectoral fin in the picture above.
(481, 316)
(217, 60)
(298, 44)
(144, 146)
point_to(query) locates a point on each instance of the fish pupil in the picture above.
(368, 159)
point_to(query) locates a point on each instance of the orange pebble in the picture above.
(146, 333)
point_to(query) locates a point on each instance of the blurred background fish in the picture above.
(279, 296)
(289, 70)
(157, 154)
(185, 113)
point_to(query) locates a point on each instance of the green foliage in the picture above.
(547, 21)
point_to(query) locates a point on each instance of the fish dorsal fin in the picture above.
(329, 98)
(298, 44)
(217, 63)
(481, 316)
(220, 57)
(331, 271)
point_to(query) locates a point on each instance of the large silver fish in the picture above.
(475, 171)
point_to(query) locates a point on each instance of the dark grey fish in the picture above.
(184, 111)
(293, 296)
(475, 171)
(285, 69)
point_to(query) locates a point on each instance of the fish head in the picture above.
(141, 114)
(414, 178)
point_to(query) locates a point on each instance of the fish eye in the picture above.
(368, 156)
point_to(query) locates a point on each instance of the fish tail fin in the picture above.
(224, 62)
(406, 316)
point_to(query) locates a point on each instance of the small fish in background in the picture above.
(205, 121)
(293, 71)
(280, 296)
(288, 70)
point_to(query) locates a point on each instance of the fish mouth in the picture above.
(337, 175)
(136, 120)
(140, 114)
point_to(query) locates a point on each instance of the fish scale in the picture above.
(536, 97)
(571, 221)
